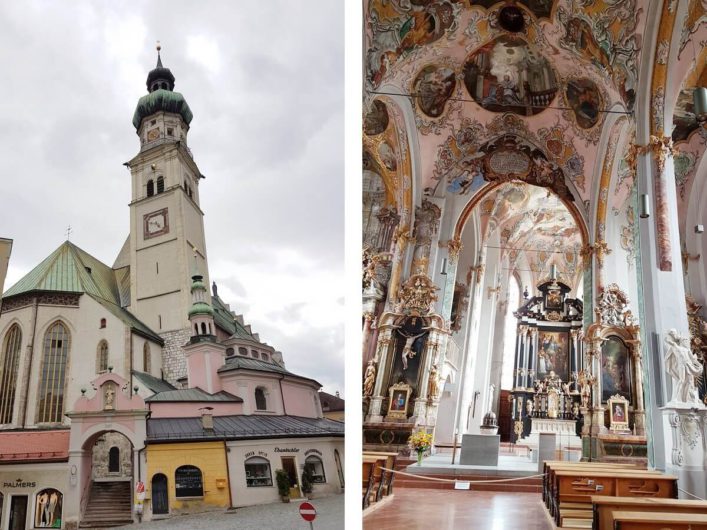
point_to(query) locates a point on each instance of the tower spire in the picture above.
(159, 58)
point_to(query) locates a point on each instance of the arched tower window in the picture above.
(9, 366)
(146, 357)
(203, 328)
(50, 407)
(114, 460)
(160, 184)
(102, 357)
(261, 403)
(150, 188)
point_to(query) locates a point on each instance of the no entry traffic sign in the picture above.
(307, 511)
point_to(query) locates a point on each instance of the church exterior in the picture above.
(132, 390)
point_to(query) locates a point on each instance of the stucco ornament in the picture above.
(417, 295)
(612, 307)
(684, 367)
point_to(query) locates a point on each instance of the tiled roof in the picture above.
(331, 403)
(34, 446)
(242, 427)
(193, 395)
(240, 362)
(71, 270)
(155, 384)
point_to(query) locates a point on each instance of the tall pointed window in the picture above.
(102, 357)
(50, 408)
(146, 357)
(150, 188)
(9, 365)
(160, 184)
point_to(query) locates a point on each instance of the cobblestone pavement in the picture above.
(279, 516)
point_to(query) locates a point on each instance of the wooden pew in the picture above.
(603, 508)
(578, 486)
(385, 487)
(624, 520)
(549, 466)
(372, 473)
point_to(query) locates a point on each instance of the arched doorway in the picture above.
(160, 501)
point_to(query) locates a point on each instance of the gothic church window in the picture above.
(102, 359)
(50, 408)
(160, 184)
(188, 482)
(261, 403)
(8, 372)
(150, 188)
(146, 357)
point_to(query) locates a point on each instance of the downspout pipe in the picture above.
(282, 396)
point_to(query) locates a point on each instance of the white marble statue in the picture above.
(684, 367)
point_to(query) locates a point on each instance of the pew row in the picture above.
(624, 520)
(604, 507)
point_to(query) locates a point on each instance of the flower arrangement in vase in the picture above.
(420, 442)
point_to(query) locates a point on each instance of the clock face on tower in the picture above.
(155, 223)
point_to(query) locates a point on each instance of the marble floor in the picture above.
(427, 509)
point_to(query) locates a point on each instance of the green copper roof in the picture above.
(225, 320)
(71, 270)
(200, 308)
(161, 100)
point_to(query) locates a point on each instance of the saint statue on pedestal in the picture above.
(684, 367)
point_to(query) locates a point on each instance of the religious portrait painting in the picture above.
(399, 397)
(615, 369)
(584, 99)
(433, 86)
(506, 75)
(553, 352)
(618, 413)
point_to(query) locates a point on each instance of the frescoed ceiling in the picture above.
(535, 229)
(555, 64)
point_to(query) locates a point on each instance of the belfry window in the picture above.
(50, 407)
(261, 402)
(8, 374)
(102, 357)
(188, 482)
(150, 188)
(160, 184)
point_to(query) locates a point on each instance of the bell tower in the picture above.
(166, 221)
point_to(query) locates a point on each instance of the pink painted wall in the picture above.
(191, 410)
(300, 400)
(202, 366)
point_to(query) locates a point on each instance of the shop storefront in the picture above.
(253, 463)
(32, 495)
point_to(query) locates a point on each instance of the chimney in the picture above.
(207, 418)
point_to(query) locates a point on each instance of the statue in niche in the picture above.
(110, 397)
(585, 384)
(369, 379)
(432, 384)
(684, 367)
(529, 407)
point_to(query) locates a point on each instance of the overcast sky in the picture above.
(265, 83)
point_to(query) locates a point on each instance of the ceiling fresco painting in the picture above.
(585, 100)
(507, 75)
(377, 119)
(433, 86)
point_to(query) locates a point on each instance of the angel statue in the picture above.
(369, 379)
(684, 367)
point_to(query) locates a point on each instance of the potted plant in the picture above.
(307, 481)
(420, 442)
(283, 484)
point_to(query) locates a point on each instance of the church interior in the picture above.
(533, 272)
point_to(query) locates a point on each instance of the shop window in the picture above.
(257, 472)
(102, 357)
(114, 460)
(48, 509)
(261, 403)
(9, 366)
(243, 351)
(50, 407)
(188, 482)
(316, 467)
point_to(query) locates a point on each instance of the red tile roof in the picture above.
(34, 446)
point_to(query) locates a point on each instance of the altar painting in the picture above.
(553, 354)
(615, 369)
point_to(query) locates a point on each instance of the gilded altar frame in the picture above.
(398, 404)
(618, 414)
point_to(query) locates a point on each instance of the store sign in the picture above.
(253, 453)
(287, 449)
(19, 484)
(313, 452)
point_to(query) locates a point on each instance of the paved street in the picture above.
(280, 516)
